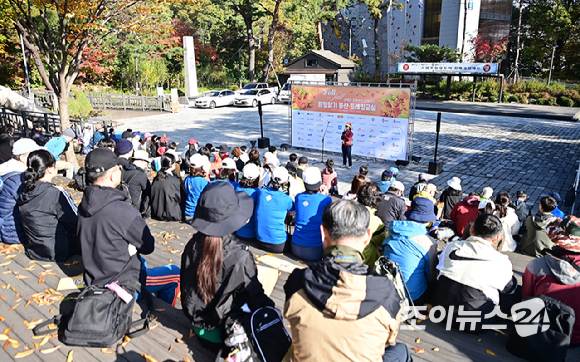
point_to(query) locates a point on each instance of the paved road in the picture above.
(505, 153)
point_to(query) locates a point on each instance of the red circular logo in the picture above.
(486, 68)
(406, 67)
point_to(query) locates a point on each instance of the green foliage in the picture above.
(543, 101)
(573, 95)
(235, 87)
(513, 98)
(460, 87)
(505, 97)
(529, 86)
(565, 101)
(80, 106)
(555, 89)
(430, 53)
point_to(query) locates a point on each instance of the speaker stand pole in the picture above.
(323, 138)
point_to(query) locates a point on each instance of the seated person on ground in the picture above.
(536, 239)
(217, 272)
(410, 246)
(295, 184)
(475, 275)
(385, 182)
(419, 185)
(293, 160)
(47, 212)
(330, 178)
(485, 207)
(107, 143)
(306, 240)
(509, 222)
(519, 205)
(487, 193)
(195, 183)
(393, 206)
(113, 235)
(11, 230)
(450, 196)
(271, 210)
(302, 165)
(464, 212)
(37, 135)
(228, 172)
(139, 186)
(249, 184)
(370, 196)
(557, 212)
(357, 182)
(58, 146)
(167, 194)
(554, 275)
(364, 171)
(337, 308)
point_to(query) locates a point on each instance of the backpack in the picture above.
(124, 186)
(388, 268)
(100, 318)
(550, 345)
(80, 180)
(256, 337)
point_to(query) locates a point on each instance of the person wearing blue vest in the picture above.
(11, 230)
(57, 146)
(249, 184)
(195, 183)
(386, 180)
(410, 246)
(271, 210)
(307, 239)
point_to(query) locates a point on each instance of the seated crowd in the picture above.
(232, 195)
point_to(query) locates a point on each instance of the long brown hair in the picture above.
(357, 182)
(209, 268)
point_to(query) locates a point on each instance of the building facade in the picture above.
(451, 23)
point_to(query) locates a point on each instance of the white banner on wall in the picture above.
(449, 68)
(379, 118)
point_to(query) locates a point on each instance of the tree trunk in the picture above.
(377, 50)
(252, 50)
(65, 119)
(464, 31)
(271, 35)
(319, 30)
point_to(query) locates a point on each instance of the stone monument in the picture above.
(189, 67)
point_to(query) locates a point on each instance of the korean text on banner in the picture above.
(379, 118)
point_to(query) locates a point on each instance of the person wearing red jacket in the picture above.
(555, 275)
(464, 212)
(346, 138)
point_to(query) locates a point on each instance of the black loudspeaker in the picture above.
(435, 168)
(263, 142)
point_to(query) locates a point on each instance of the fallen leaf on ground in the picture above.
(436, 349)
(170, 347)
(6, 263)
(36, 345)
(39, 337)
(44, 341)
(107, 350)
(50, 350)
(2, 318)
(418, 350)
(69, 357)
(126, 341)
(186, 359)
(23, 354)
(51, 311)
(179, 340)
(2, 297)
(148, 358)
(191, 334)
(40, 280)
(489, 351)
(480, 339)
(11, 309)
(418, 340)
(7, 330)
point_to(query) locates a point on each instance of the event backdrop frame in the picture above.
(312, 121)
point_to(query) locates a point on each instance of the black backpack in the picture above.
(256, 337)
(124, 186)
(550, 345)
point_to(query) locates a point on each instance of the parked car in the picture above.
(251, 98)
(251, 86)
(285, 94)
(217, 98)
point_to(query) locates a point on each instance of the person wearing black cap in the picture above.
(218, 274)
(37, 135)
(302, 164)
(113, 235)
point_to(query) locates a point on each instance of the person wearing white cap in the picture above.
(487, 193)
(307, 239)
(249, 184)
(450, 196)
(57, 146)
(195, 183)
(228, 172)
(11, 231)
(271, 209)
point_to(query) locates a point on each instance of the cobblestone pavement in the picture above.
(505, 153)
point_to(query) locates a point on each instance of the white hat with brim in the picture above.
(25, 145)
(141, 155)
(454, 183)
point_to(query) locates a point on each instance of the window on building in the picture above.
(494, 19)
(432, 22)
(311, 62)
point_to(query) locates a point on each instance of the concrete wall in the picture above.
(345, 75)
(451, 30)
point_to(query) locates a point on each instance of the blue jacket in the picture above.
(558, 213)
(416, 253)
(56, 146)
(11, 231)
(194, 186)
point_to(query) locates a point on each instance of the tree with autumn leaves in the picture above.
(57, 33)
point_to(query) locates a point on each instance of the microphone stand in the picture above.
(323, 137)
